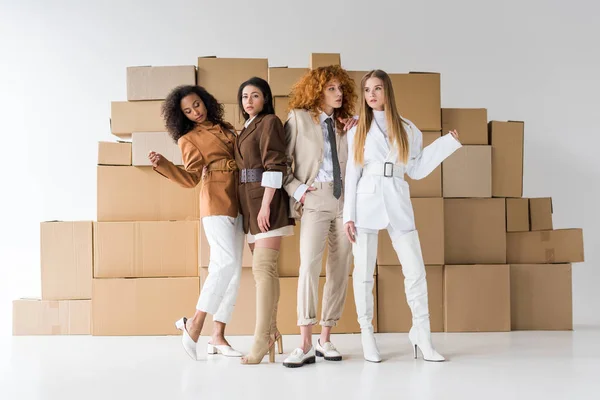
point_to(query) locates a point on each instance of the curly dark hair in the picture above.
(176, 121)
(264, 87)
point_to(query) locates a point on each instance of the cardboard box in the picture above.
(281, 108)
(160, 142)
(429, 221)
(418, 98)
(282, 79)
(517, 215)
(541, 297)
(51, 317)
(324, 60)
(234, 116)
(471, 124)
(155, 83)
(431, 186)
(141, 194)
(222, 77)
(127, 117)
(545, 247)
(114, 153)
(477, 298)
(475, 231)
(244, 314)
(145, 306)
(506, 139)
(66, 260)
(394, 314)
(540, 214)
(145, 249)
(468, 172)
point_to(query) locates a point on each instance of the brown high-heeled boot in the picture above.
(264, 268)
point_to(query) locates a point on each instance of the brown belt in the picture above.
(251, 175)
(222, 165)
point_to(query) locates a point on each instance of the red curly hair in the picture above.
(307, 93)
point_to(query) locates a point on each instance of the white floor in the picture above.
(516, 365)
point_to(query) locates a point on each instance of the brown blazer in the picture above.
(262, 145)
(211, 146)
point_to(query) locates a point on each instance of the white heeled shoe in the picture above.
(188, 344)
(421, 340)
(369, 345)
(222, 349)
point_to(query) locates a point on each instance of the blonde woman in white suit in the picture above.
(381, 149)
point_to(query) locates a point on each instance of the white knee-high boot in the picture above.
(408, 248)
(365, 252)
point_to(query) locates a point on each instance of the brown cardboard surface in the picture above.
(429, 221)
(160, 142)
(468, 172)
(431, 186)
(394, 314)
(418, 98)
(356, 76)
(66, 260)
(144, 306)
(517, 215)
(233, 115)
(222, 77)
(282, 79)
(324, 59)
(155, 83)
(471, 124)
(127, 117)
(545, 247)
(145, 249)
(506, 139)
(475, 231)
(477, 298)
(540, 213)
(244, 314)
(141, 194)
(52, 317)
(541, 297)
(281, 108)
(114, 153)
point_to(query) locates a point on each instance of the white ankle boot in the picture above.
(408, 248)
(369, 345)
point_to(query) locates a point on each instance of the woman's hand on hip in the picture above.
(350, 230)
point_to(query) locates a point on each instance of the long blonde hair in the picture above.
(395, 127)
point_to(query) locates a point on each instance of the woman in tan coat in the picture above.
(194, 119)
(261, 158)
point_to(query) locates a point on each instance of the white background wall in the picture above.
(62, 62)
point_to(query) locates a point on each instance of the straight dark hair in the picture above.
(264, 87)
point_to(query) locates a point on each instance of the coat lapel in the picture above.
(246, 132)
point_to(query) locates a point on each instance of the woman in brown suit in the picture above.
(194, 120)
(260, 155)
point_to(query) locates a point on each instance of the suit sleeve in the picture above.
(272, 152)
(291, 184)
(422, 161)
(353, 174)
(193, 162)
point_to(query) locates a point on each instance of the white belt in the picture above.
(386, 169)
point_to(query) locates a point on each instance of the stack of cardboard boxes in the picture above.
(493, 260)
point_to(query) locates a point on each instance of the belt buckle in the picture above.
(231, 164)
(385, 169)
(243, 176)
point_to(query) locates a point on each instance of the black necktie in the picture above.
(337, 176)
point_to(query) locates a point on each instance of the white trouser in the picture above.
(225, 237)
(408, 248)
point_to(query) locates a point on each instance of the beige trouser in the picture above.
(321, 223)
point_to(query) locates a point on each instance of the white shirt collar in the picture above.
(249, 121)
(323, 117)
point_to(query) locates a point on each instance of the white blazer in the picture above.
(376, 194)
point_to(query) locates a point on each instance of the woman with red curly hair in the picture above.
(322, 102)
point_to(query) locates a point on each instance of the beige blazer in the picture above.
(304, 147)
